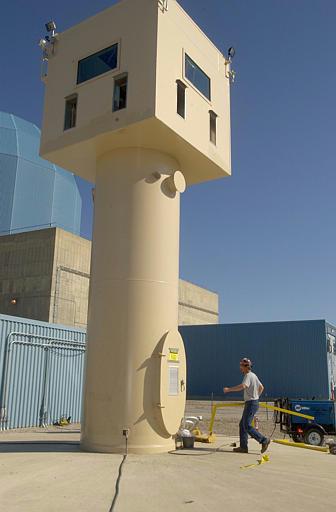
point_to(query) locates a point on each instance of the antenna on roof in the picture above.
(230, 73)
(47, 45)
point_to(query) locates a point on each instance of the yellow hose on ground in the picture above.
(264, 458)
(301, 445)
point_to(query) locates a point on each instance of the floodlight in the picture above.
(43, 43)
(231, 52)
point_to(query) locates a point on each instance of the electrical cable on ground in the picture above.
(116, 494)
(273, 431)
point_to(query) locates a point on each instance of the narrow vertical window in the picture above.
(120, 93)
(181, 93)
(70, 112)
(213, 126)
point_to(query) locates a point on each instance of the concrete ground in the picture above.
(46, 472)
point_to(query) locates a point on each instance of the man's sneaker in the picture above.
(240, 450)
(265, 445)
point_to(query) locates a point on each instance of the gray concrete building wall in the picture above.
(197, 305)
(70, 280)
(26, 263)
(48, 273)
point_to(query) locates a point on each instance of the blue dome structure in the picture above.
(34, 193)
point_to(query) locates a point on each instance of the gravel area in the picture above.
(226, 422)
(227, 419)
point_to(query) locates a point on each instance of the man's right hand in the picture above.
(226, 390)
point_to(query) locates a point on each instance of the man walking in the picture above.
(252, 390)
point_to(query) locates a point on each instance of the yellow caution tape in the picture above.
(264, 458)
(287, 411)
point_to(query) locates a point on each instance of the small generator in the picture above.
(302, 430)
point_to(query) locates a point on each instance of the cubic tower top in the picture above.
(137, 75)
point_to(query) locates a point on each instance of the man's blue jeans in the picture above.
(245, 425)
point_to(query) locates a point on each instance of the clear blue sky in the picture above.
(264, 239)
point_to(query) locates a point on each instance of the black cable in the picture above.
(275, 425)
(116, 494)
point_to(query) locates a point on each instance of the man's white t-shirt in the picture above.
(252, 383)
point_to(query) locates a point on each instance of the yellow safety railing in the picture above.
(261, 404)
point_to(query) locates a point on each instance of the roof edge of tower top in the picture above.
(118, 3)
(198, 27)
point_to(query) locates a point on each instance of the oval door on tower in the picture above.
(172, 381)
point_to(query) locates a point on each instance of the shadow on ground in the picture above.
(202, 450)
(39, 446)
(61, 432)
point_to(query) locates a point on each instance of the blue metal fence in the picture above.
(41, 372)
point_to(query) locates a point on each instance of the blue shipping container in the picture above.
(292, 359)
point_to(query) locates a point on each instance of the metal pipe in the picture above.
(261, 404)
(43, 409)
(45, 345)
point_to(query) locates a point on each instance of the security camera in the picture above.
(50, 26)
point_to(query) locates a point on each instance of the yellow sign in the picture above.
(173, 354)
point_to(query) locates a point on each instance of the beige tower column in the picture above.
(135, 95)
(135, 373)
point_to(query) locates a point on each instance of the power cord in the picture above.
(117, 485)
(275, 425)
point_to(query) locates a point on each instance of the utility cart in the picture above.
(302, 430)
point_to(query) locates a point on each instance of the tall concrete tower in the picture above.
(137, 101)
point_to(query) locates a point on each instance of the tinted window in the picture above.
(181, 89)
(120, 93)
(97, 64)
(213, 127)
(197, 77)
(70, 112)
